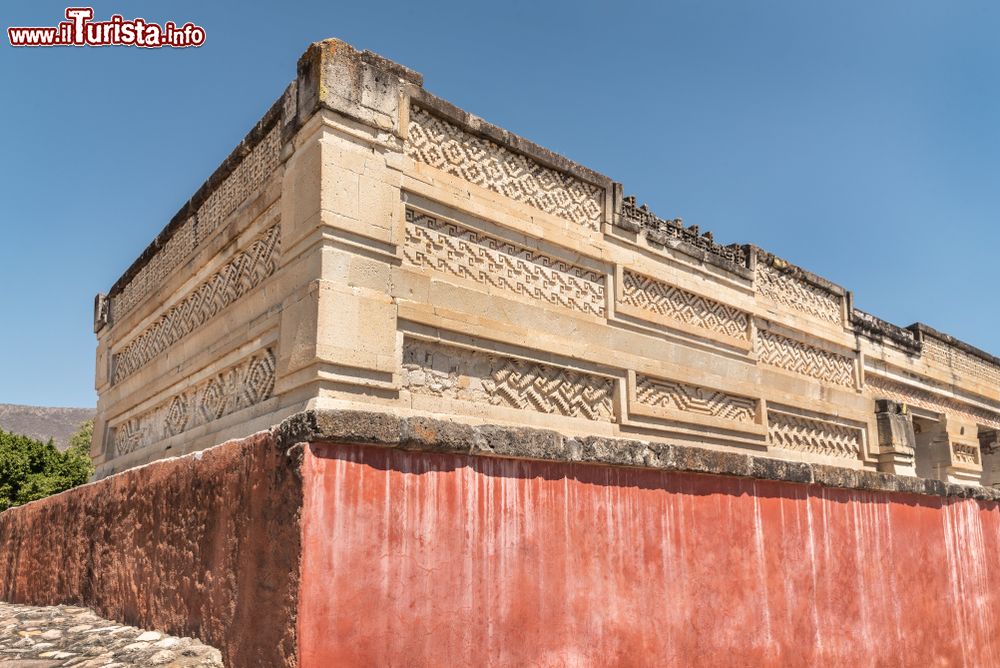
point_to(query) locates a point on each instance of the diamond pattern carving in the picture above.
(438, 143)
(453, 249)
(804, 359)
(787, 290)
(819, 437)
(241, 386)
(672, 302)
(244, 272)
(247, 179)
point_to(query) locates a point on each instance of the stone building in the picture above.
(369, 245)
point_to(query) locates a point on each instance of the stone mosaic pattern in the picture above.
(963, 363)
(63, 635)
(687, 398)
(883, 388)
(798, 357)
(817, 437)
(438, 143)
(965, 454)
(240, 275)
(457, 373)
(686, 307)
(466, 253)
(246, 180)
(239, 387)
(787, 290)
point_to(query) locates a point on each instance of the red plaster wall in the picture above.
(204, 545)
(436, 560)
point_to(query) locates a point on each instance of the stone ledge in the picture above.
(446, 436)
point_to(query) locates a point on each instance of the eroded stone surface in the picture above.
(63, 635)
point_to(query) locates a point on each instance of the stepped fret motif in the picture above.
(966, 364)
(966, 454)
(673, 302)
(819, 437)
(693, 399)
(795, 293)
(438, 143)
(456, 373)
(807, 360)
(466, 253)
(246, 180)
(241, 386)
(883, 388)
(240, 275)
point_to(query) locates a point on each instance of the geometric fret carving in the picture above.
(884, 388)
(966, 365)
(673, 302)
(246, 384)
(789, 291)
(470, 375)
(819, 437)
(677, 396)
(467, 253)
(965, 453)
(438, 143)
(798, 357)
(245, 180)
(242, 273)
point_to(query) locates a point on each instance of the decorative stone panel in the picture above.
(964, 453)
(246, 384)
(471, 375)
(240, 275)
(785, 289)
(685, 398)
(798, 357)
(673, 303)
(453, 249)
(814, 436)
(438, 143)
(245, 181)
(964, 364)
(884, 388)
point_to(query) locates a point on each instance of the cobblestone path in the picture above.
(62, 635)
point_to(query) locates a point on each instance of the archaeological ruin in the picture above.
(369, 245)
(399, 387)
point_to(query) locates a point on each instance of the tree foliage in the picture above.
(30, 469)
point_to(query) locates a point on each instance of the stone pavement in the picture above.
(62, 635)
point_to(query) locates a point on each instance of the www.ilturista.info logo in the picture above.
(81, 30)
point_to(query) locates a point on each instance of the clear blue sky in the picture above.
(860, 140)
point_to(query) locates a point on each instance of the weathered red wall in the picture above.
(433, 560)
(204, 545)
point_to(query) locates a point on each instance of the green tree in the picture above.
(30, 469)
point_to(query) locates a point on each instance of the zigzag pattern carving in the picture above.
(693, 399)
(789, 291)
(819, 437)
(673, 302)
(798, 357)
(456, 373)
(447, 147)
(243, 182)
(246, 384)
(466, 253)
(884, 388)
(244, 272)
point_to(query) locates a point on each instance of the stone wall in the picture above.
(370, 244)
(367, 538)
(205, 545)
